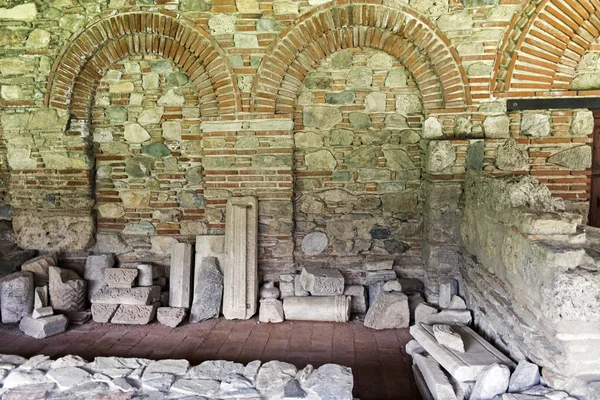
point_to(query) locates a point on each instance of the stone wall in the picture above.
(357, 120)
(529, 273)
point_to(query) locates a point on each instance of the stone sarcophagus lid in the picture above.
(240, 270)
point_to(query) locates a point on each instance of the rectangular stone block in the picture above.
(358, 295)
(120, 277)
(462, 366)
(377, 265)
(42, 312)
(286, 289)
(321, 281)
(240, 271)
(380, 276)
(133, 296)
(181, 275)
(43, 327)
(135, 315)
(40, 297)
(103, 312)
(437, 382)
(16, 296)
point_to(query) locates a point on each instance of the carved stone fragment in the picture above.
(271, 310)
(208, 290)
(134, 314)
(39, 268)
(240, 271)
(120, 277)
(322, 281)
(170, 316)
(134, 296)
(68, 292)
(103, 312)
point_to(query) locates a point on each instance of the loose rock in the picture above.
(390, 311)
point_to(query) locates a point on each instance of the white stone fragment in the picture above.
(120, 277)
(423, 310)
(173, 367)
(525, 376)
(421, 384)
(491, 381)
(273, 376)
(390, 311)
(181, 278)
(413, 347)
(69, 361)
(33, 363)
(68, 377)
(170, 316)
(446, 336)
(196, 387)
(157, 381)
(214, 370)
(322, 281)
(271, 310)
(449, 317)
(437, 382)
(392, 286)
(21, 378)
(43, 327)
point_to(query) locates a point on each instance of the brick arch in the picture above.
(81, 65)
(547, 40)
(400, 32)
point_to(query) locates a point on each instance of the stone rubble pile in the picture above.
(73, 378)
(452, 362)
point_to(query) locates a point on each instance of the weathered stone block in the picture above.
(42, 312)
(103, 313)
(322, 117)
(535, 124)
(66, 232)
(181, 280)
(170, 316)
(271, 310)
(43, 327)
(358, 297)
(39, 268)
(94, 271)
(16, 296)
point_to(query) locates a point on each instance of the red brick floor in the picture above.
(381, 367)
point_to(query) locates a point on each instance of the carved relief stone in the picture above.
(120, 277)
(134, 296)
(208, 290)
(39, 268)
(240, 270)
(103, 312)
(135, 314)
(68, 292)
(322, 281)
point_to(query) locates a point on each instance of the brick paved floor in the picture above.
(381, 367)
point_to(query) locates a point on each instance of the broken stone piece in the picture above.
(319, 308)
(120, 277)
(94, 271)
(133, 296)
(40, 297)
(68, 292)
(392, 286)
(79, 317)
(320, 382)
(457, 303)
(423, 310)
(421, 384)
(135, 314)
(103, 312)
(413, 347)
(525, 376)
(446, 336)
(447, 289)
(449, 317)
(180, 276)
(271, 310)
(39, 268)
(375, 288)
(390, 311)
(42, 312)
(286, 289)
(321, 281)
(379, 276)
(208, 290)
(358, 304)
(491, 381)
(43, 327)
(16, 296)
(67, 377)
(170, 316)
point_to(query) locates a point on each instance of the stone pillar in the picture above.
(323, 308)
(180, 278)
(240, 270)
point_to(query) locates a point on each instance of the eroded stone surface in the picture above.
(16, 296)
(390, 311)
(170, 316)
(322, 281)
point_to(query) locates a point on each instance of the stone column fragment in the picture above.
(323, 308)
(240, 270)
(94, 271)
(322, 281)
(180, 278)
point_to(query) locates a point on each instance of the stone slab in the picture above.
(181, 275)
(462, 366)
(271, 310)
(103, 313)
(321, 281)
(135, 314)
(421, 384)
(16, 296)
(132, 296)
(449, 317)
(43, 327)
(447, 289)
(68, 292)
(437, 382)
(42, 312)
(359, 298)
(240, 270)
(40, 296)
(170, 316)
(208, 290)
